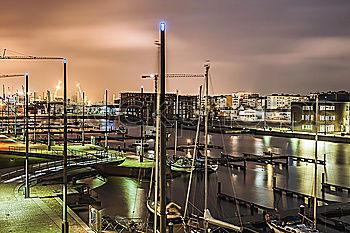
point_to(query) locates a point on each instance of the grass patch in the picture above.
(7, 161)
(130, 162)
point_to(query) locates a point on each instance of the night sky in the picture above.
(266, 46)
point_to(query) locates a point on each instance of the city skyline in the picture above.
(271, 47)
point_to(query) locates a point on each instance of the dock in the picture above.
(298, 195)
(333, 187)
(254, 207)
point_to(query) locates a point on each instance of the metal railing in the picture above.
(75, 159)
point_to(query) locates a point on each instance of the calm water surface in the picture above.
(126, 196)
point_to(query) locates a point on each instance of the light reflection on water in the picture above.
(255, 185)
(123, 196)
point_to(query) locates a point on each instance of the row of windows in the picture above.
(327, 128)
(327, 118)
(307, 127)
(327, 107)
(323, 128)
(322, 107)
(322, 118)
(307, 117)
(308, 108)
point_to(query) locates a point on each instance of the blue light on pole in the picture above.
(162, 26)
(64, 60)
(27, 74)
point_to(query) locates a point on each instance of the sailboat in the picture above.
(183, 164)
(173, 211)
(298, 223)
(187, 165)
(207, 217)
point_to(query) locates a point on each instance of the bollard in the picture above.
(264, 220)
(302, 210)
(219, 187)
(309, 202)
(323, 179)
(322, 184)
(252, 209)
(274, 182)
(324, 159)
(171, 226)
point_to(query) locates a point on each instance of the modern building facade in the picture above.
(283, 101)
(143, 105)
(333, 114)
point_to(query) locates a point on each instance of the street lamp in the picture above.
(26, 75)
(325, 114)
(65, 226)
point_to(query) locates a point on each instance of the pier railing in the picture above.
(75, 159)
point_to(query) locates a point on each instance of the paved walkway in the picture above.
(32, 215)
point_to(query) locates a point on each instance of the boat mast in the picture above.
(156, 154)
(177, 115)
(315, 180)
(156, 150)
(162, 159)
(206, 115)
(194, 151)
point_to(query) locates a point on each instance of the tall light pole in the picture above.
(65, 224)
(141, 127)
(206, 115)
(27, 193)
(315, 180)
(162, 133)
(65, 227)
(15, 109)
(34, 133)
(8, 114)
(2, 107)
(265, 103)
(83, 127)
(49, 120)
(325, 114)
(26, 118)
(106, 117)
(176, 121)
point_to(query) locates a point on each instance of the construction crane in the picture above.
(65, 224)
(26, 57)
(10, 75)
(155, 77)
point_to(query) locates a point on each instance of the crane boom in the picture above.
(10, 75)
(184, 75)
(30, 58)
(24, 57)
(155, 77)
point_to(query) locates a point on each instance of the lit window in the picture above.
(308, 108)
(307, 127)
(327, 107)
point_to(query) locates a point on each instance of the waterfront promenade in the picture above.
(40, 214)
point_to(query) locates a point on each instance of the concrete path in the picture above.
(32, 215)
